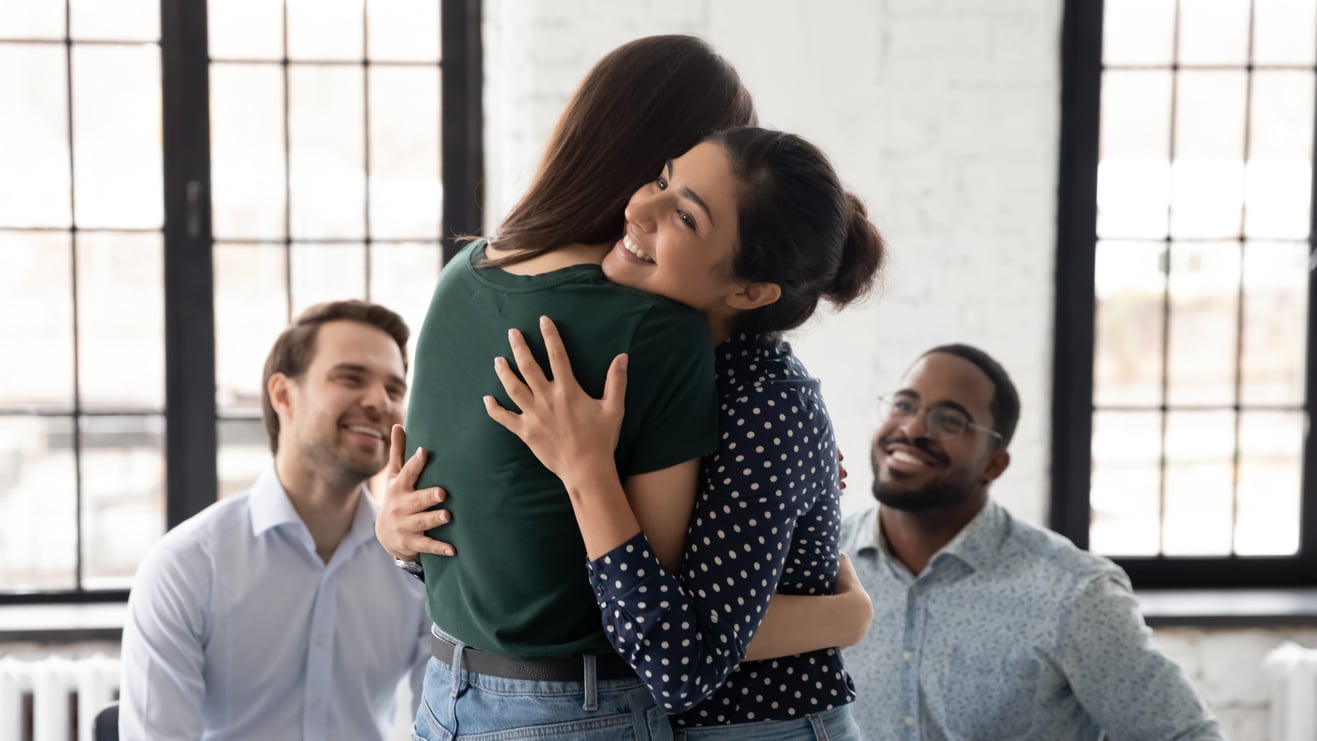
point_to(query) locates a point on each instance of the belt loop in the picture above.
(591, 684)
(456, 665)
(820, 730)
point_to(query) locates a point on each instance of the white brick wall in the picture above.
(944, 116)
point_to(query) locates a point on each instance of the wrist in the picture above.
(591, 477)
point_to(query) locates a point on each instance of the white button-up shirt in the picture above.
(237, 629)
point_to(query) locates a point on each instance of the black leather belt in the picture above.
(572, 669)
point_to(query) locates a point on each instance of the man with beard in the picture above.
(274, 613)
(985, 627)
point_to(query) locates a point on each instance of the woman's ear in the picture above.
(753, 295)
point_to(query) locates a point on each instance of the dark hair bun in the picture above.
(863, 253)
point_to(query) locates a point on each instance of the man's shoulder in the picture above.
(1049, 551)
(857, 530)
(198, 534)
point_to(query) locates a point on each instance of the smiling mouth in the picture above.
(907, 457)
(371, 431)
(630, 246)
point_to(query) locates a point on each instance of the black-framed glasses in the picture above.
(940, 420)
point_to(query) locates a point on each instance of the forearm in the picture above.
(677, 643)
(600, 504)
(797, 624)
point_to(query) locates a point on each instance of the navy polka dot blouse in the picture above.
(766, 520)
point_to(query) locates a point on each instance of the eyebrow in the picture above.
(685, 191)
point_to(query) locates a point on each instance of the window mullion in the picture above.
(190, 436)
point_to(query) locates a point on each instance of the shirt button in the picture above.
(907, 655)
(910, 721)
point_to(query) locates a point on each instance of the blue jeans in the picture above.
(457, 704)
(830, 725)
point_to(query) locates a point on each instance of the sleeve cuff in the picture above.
(625, 569)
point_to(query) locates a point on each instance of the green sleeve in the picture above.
(671, 414)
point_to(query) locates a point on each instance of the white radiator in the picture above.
(54, 699)
(1293, 673)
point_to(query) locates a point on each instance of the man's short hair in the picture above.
(1005, 406)
(296, 346)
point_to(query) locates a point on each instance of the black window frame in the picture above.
(191, 414)
(1074, 338)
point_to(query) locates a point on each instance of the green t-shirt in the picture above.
(518, 585)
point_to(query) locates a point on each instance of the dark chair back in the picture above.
(106, 725)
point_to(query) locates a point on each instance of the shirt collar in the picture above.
(975, 545)
(271, 508)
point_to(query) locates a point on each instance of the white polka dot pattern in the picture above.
(766, 520)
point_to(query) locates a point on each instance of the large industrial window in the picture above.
(1182, 388)
(177, 181)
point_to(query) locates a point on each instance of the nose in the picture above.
(639, 213)
(915, 426)
(376, 399)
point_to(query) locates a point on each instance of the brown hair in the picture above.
(296, 347)
(796, 227)
(646, 101)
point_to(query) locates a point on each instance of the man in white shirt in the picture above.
(274, 614)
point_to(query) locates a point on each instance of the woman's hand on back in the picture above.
(570, 432)
(405, 513)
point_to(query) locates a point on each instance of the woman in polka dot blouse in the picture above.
(751, 227)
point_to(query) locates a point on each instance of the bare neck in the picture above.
(326, 504)
(914, 537)
(563, 257)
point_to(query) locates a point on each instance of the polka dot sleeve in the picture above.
(685, 635)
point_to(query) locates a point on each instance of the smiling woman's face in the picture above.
(681, 233)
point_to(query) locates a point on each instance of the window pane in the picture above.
(1213, 31)
(1275, 323)
(248, 181)
(325, 29)
(121, 320)
(121, 20)
(405, 30)
(1199, 481)
(1126, 483)
(244, 452)
(1130, 289)
(116, 136)
(1283, 31)
(245, 29)
(405, 197)
(38, 317)
(1279, 184)
(38, 494)
(1204, 293)
(123, 496)
(1133, 175)
(327, 272)
(402, 277)
(328, 181)
(1207, 175)
(25, 19)
(1270, 468)
(35, 119)
(251, 308)
(1138, 31)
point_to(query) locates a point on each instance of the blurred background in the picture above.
(177, 181)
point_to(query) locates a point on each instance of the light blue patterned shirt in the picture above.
(1011, 632)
